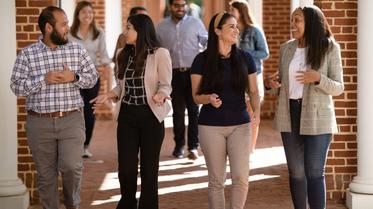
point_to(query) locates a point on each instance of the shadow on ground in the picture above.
(183, 183)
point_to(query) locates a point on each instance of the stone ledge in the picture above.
(358, 201)
(21, 201)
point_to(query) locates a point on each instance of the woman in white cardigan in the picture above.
(310, 74)
(144, 85)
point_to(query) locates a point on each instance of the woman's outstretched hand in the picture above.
(99, 101)
(160, 98)
(272, 81)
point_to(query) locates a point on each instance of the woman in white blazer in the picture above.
(310, 73)
(144, 85)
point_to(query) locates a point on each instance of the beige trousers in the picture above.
(218, 143)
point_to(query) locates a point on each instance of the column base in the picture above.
(358, 201)
(20, 201)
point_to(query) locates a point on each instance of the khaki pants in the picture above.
(57, 145)
(218, 142)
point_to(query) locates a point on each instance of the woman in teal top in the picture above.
(252, 40)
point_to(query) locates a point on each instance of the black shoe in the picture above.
(178, 153)
(193, 154)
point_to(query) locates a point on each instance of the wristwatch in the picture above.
(76, 77)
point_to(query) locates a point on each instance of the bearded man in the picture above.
(50, 74)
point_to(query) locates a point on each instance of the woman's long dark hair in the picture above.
(146, 42)
(76, 22)
(317, 36)
(213, 73)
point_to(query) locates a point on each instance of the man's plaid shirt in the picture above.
(34, 61)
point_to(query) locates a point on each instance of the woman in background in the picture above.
(85, 32)
(221, 75)
(310, 75)
(252, 40)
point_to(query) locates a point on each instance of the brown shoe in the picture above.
(193, 154)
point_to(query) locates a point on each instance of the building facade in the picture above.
(348, 158)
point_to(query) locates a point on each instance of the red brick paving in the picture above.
(183, 183)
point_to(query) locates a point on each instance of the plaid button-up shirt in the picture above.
(34, 61)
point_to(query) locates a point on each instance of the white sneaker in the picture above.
(86, 153)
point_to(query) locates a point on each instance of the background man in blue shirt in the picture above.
(184, 36)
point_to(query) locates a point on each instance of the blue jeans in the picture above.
(306, 156)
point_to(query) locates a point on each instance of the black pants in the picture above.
(89, 117)
(182, 98)
(138, 131)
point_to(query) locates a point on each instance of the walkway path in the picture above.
(183, 183)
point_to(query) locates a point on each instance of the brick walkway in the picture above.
(183, 183)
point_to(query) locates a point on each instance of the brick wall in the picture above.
(342, 16)
(127, 5)
(276, 26)
(27, 32)
(342, 158)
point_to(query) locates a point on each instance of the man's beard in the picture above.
(57, 38)
(178, 16)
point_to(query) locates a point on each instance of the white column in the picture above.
(13, 193)
(257, 10)
(360, 194)
(113, 24)
(303, 3)
(69, 7)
